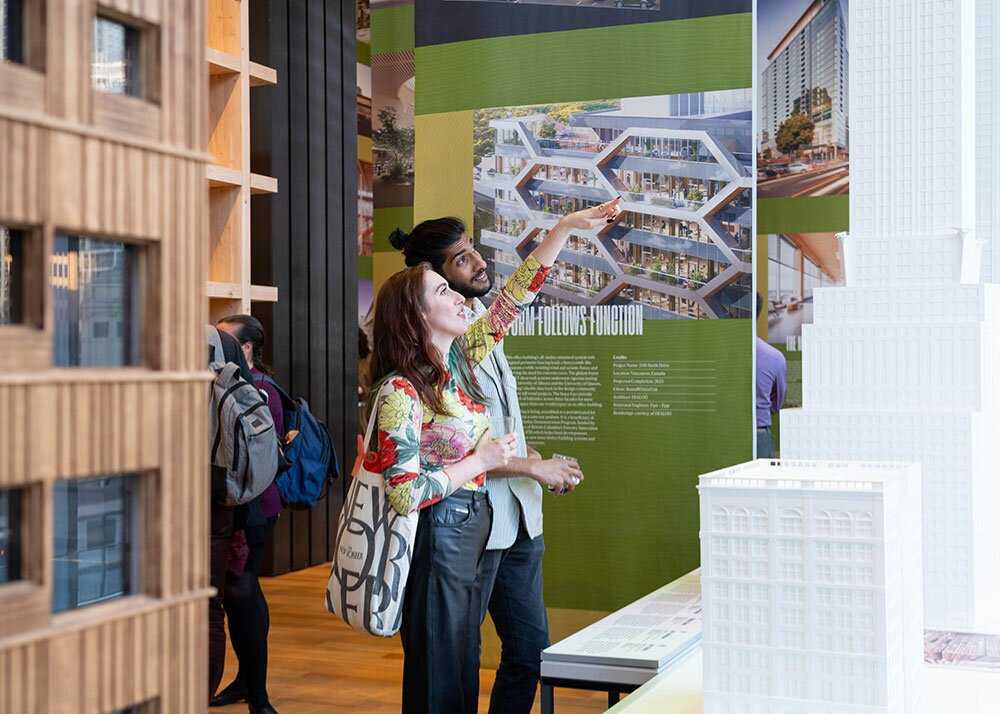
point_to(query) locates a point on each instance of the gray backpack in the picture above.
(244, 442)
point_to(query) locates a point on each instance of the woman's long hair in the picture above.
(403, 346)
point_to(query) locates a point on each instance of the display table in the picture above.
(949, 691)
(626, 649)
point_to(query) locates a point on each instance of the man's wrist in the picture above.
(521, 466)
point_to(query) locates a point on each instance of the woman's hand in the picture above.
(591, 218)
(495, 453)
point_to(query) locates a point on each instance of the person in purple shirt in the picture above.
(243, 599)
(772, 384)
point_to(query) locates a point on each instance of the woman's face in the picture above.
(444, 309)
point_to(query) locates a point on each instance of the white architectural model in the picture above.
(902, 364)
(810, 577)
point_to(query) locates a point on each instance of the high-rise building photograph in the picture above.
(802, 88)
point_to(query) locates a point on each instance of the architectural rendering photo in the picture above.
(394, 90)
(681, 246)
(796, 264)
(803, 97)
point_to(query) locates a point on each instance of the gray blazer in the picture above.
(512, 497)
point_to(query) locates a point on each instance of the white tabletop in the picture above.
(949, 691)
(645, 635)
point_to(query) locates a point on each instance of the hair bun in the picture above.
(398, 238)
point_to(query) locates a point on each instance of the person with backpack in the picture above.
(433, 447)
(243, 599)
(223, 353)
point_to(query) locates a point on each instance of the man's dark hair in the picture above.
(760, 304)
(429, 241)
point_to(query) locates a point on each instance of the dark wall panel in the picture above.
(303, 131)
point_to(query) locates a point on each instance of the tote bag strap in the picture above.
(372, 420)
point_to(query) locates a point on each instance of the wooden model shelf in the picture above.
(221, 62)
(263, 184)
(261, 76)
(231, 184)
(222, 176)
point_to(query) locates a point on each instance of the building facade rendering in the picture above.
(103, 218)
(681, 247)
(807, 73)
(810, 588)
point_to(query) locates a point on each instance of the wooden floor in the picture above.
(318, 665)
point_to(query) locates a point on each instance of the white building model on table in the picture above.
(810, 577)
(904, 362)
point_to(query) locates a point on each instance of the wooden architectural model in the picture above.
(230, 180)
(103, 258)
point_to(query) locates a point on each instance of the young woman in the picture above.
(243, 599)
(433, 447)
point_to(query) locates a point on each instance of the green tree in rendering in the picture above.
(483, 140)
(794, 133)
(548, 131)
(697, 275)
(397, 141)
(564, 112)
(671, 267)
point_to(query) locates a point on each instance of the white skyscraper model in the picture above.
(988, 134)
(904, 362)
(810, 577)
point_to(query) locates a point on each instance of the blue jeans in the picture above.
(512, 594)
(765, 443)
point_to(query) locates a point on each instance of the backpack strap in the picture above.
(229, 374)
(287, 402)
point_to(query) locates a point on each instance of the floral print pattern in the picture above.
(413, 444)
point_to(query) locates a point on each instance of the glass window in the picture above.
(10, 527)
(789, 281)
(12, 30)
(11, 275)
(95, 299)
(95, 544)
(116, 68)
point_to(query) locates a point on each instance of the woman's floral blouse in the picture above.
(412, 444)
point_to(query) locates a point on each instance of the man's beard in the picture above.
(471, 291)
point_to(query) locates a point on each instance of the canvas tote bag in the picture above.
(371, 557)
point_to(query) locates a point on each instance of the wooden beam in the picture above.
(262, 76)
(263, 184)
(220, 62)
(223, 290)
(222, 176)
(263, 293)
